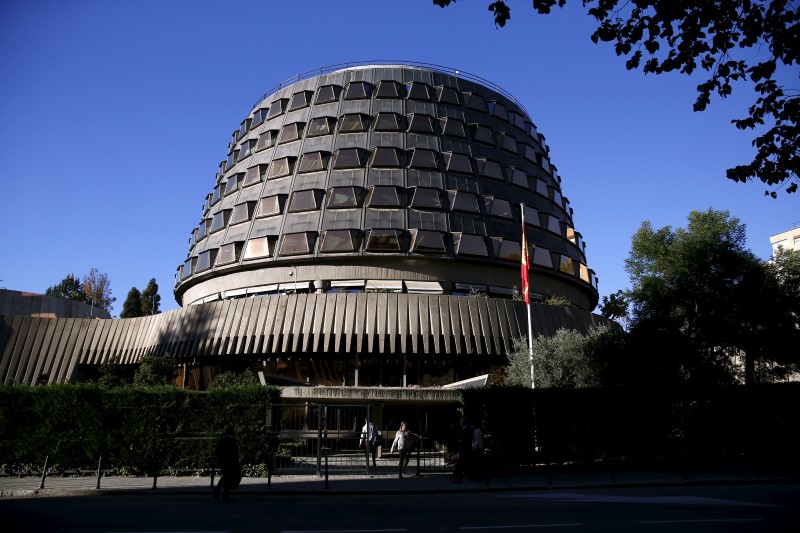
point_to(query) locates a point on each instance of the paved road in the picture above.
(680, 508)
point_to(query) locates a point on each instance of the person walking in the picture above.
(228, 463)
(369, 439)
(464, 450)
(402, 443)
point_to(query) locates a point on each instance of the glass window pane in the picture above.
(418, 91)
(349, 158)
(383, 197)
(295, 244)
(320, 126)
(227, 254)
(427, 242)
(216, 194)
(385, 157)
(389, 89)
(499, 110)
(419, 123)
(508, 143)
(518, 177)
(186, 269)
(482, 134)
(532, 217)
(542, 257)
(304, 201)
(474, 245)
(474, 101)
(203, 261)
(232, 185)
(553, 225)
(278, 107)
(270, 205)
(541, 188)
(383, 240)
(426, 198)
(327, 93)
(281, 167)
(267, 140)
(254, 175)
(387, 122)
(244, 150)
(202, 230)
(510, 251)
(258, 118)
(447, 95)
(457, 163)
(353, 122)
(241, 213)
(567, 266)
(299, 100)
(464, 201)
(425, 159)
(291, 132)
(453, 127)
(343, 197)
(220, 220)
(497, 207)
(345, 240)
(490, 169)
(313, 162)
(356, 90)
(257, 248)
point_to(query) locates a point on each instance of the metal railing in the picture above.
(387, 62)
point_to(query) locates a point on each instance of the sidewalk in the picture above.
(378, 483)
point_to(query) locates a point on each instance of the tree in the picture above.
(614, 306)
(233, 379)
(568, 359)
(70, 288)
(721, 36)
(113, 374)
(701, 302)
(155, 370)
(151, 301)
(98, 289)
(133, 304)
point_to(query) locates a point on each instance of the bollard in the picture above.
(212, 477)
(269, 470)
(44, 473)
(99, 471)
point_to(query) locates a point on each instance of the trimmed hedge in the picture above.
(135, 430)
(754, 425)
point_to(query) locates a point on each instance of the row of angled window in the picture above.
(385, 89)
(380, 241)
(381, 197)
(380, 157)
(382, 122)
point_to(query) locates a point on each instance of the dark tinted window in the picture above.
(497, 207)
(320, 126)
(292, 132)
(353, 122)
(271, 205)
(267, 139)
(356, 90)
(281, 167)
(457, 163)
(278, 107)
(349, 158)
(344, 197)
(258, 118)
(328, 93)
(220, 220)
(254, 175)
(498, 110)
(482, 134)
(340, 240)
(388, 122)
(227, 254)
(507, 142)
(518, 177)
(389, 89)
(447, 95)
(426, 198)
(474, 101)
(300, 100)
(464, 201)
(509, 250)
(418, 123)
(296, 244)
(241, 212)
(418, 91)
(427, 242)
(466, 244)
(384, 240)
(490, 169)
(385, 157)
(232, 185)
(425, 159)
(307, 200)
(313, 162)
(453, 127)
(381, 196)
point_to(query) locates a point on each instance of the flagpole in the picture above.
(526, 293)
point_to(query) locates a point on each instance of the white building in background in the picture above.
(789, 240)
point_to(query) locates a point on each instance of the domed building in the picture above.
(402, 184)
(365, 229)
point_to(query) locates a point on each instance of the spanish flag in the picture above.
(524, 259)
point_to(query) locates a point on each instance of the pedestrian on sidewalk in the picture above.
(403, 444)
(463, 463)
(369, 439)
(228, 463)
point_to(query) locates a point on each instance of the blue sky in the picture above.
(114, 117)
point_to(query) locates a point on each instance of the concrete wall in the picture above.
(42, 306)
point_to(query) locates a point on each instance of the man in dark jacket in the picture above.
(228, 463)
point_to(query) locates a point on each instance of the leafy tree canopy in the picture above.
(700, 301)
(722, 37)
(94, 289)
(70, 288)
(151, 300)
(233, 379)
